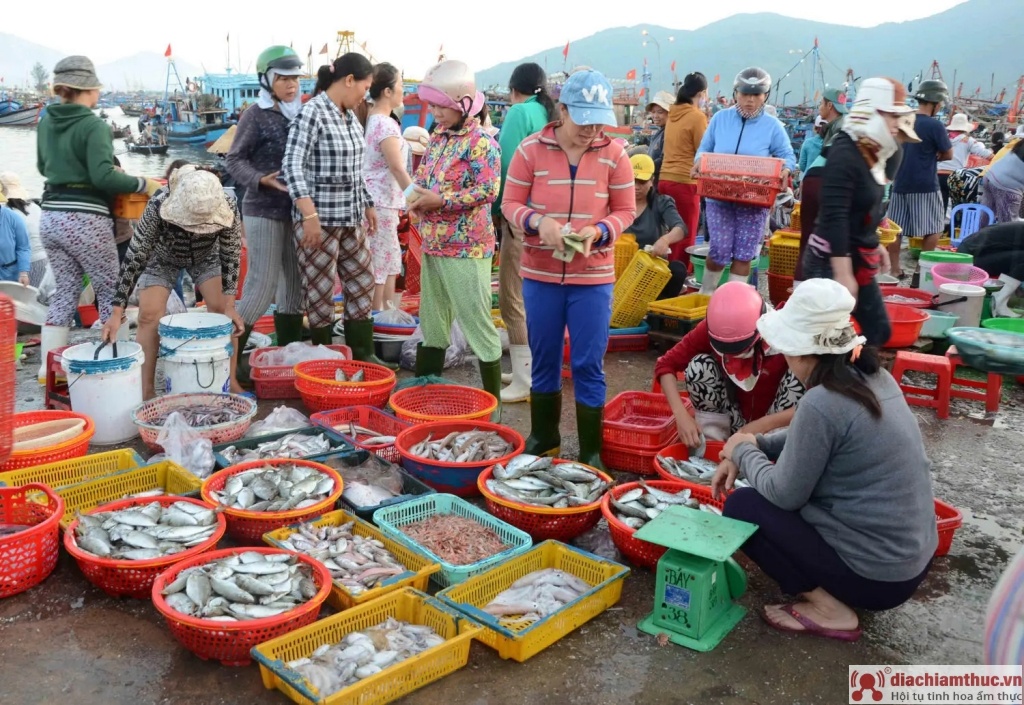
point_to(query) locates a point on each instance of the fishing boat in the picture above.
(121, 132)
(188, 113)
(133, 109)
(14, 114)
(147, 148)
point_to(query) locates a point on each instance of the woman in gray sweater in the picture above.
(843, 498)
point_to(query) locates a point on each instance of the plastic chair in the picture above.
(971, 221)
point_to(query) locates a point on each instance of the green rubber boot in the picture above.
(588, 425)
(242, 362)
(322, 336)
(429, 361)
(359, 337)
(545, 414)
(288, 327)
(490, 373)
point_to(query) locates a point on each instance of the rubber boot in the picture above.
(429, 361)
(359, 337)
(1001, 299)
(288, 327)
(589, 426)
(325, 336)
(51, 338)
(241, 361)
(490, 373)
(545, 415)
(507, 377)
(522, 361)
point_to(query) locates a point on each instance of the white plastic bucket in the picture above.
(196, 350)
(963, 300)
(106, 389)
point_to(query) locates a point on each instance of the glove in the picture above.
(152, 186)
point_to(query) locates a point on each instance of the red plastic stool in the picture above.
(57, 395)
(993, 386)
(933, 397)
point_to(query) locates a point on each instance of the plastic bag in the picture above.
(294, 353)
(282, 418)
(456, 354)
(184, 446)
(599, 542)
(394, 316)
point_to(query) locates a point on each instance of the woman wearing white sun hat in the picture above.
(964, 147)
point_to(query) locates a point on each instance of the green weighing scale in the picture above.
(697, 579)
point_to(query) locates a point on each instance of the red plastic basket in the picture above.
(543, 523)
(145, 414)
(639, 419)
(413, 260)
(948, 519)
(8, 338)
(314, 379)
(410, 303)
(123, 578)
(922, 299)
(679, 451)
(737, 178)
(779, 287)
(630, 458)
(28, 557)
(628, 343)
(637, 552)
(265, 325)
(443, 402)
(230, 642)
(369, 417)
(247, 527)
(906, 325)
(74, 448)
(278, 381)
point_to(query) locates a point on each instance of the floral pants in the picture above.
(79, 244)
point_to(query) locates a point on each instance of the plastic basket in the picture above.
(70, 472)
(639, 419)
(28, 557)
(336, 441)
(690, 307)
(144, 415)
(124, 578)
(625, 247)
(417, 575)
(661, 323)
(390, 520)
(794, 217)
(247, 527)
(130, 206)
(522, 642)
(8, 353)
(906, 325)
(626, 458)
(278, 381)
(411, 487)
(888, 231)
(628, 343)
(679, 451)
(72, 448)
(643, 553)
(454, 478)
(394, 681)
(783, 254)
(738, 178)
(443, 402)
(314, 380)
(779, 288)
(998, 351)
(956, 273)
(640, 284)
(265, 325)
(921, 299)
(948, 519)
(231, 642)
(369, 417)
(410, 303)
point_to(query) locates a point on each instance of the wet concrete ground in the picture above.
(66, 641)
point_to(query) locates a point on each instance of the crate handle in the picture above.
(288, 675)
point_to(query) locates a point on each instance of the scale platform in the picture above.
(697, 579)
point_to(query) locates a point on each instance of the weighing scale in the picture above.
(697, 579)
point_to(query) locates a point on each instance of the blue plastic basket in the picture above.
(390, 520)
(639, 330)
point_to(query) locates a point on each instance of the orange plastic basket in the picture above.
(443, 402)
(779, 287)
(130, 206)
(738, 178)
(247, 527)
(28, 557)
(278, 381)
(145, 414)
(543, 523)
(314, 379)
(231, 642)
(73, 448)
(369, 417)
(124, 578)
(948, 519)
(8, 338)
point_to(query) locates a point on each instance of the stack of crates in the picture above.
(783, 255)
(640, 284)
(678, 315)
(625, 248)
(637, 426)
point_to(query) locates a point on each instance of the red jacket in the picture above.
(539, 181)
(753, 404)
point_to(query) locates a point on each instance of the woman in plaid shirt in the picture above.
(323, 167)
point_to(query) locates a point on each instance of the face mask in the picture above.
(742, 369)
(703, 103)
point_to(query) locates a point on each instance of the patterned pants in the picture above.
(1005, 203)
(384, 248)
(78, 244)
(458, 289)
(273, 273)
(510, 291)
(736, 231)
(342, 251)
(706, 384)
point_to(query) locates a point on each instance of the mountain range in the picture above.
(977, 39)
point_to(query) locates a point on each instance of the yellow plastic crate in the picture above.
(783, 253)
(794, 218)
(640, 284)
(690, 307)
(625, 248)
(417, 576)
(394, 681)
(165, 475)
(887, 236)
(65, 473)
(519, 642)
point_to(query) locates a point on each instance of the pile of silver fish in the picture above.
(294, 445)
(359, 655)
(898, 299)
(275, 488)
(248, 585)
(643, 504)
(201, 415)
(533, 480)
(463, 447)
(146, 532)
(366, 436)
(357, 376)
(535, 596)
(357, 563)
(699, 471)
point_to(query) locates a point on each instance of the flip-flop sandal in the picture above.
(809, 627)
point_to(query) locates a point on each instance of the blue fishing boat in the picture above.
(15, 114)
(237, 91)
(188, 114)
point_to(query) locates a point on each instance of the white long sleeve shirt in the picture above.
(963, 147)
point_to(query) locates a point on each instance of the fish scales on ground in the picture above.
(200, 415)
(275, 488)
(359, 655)
(463, 447)
(246, 585)
(535, 596)
(455, 539)
(294, 445)
(645, 503)
(357, 563)
(529, 479)
(145, 532)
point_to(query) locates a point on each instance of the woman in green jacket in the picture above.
(530, 110)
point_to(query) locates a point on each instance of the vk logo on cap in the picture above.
(598, 93)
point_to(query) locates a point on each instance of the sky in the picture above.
(401, 32)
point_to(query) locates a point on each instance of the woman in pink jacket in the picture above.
(570, 190)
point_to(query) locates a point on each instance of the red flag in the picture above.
(645, 61)
(717, 77)
(565, 52)
(168, 52)
(641, 95)
(631, 75)
(672, 68)
(324, 50)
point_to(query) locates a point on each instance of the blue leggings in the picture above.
(587, 311)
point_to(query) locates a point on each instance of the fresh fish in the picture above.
(698, 470)
(201, 414)
(144, 532)
(464, 447)
(532, 480)
(275, 488)
(637, 510)
(340, 376)
(536, 596)
(293, 445)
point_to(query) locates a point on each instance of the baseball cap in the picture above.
(838, 99)
(643, 167)
(587, 95)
